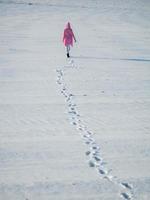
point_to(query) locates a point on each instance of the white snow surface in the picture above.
(77, 128)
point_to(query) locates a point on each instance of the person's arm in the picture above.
(73, 36)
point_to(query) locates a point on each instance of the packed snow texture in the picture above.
(77, 128)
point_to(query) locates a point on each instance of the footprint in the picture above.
(91, 163)
(86, 136)
(127, 185)
(74, 123)
(103, 163)
(101, 171)
(87, 153)
(125, 196)
(62, 92)
(89, 133)
(87, 142)
(110, 177)
(73, 112)
(97, 158)
(95, 147)
(68, 99)
(59, 82)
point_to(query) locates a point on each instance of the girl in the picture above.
(68, 38)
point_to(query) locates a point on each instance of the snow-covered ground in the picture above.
(77, 128)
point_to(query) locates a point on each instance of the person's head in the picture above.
(68, 25)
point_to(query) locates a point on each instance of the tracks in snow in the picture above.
(94, 152)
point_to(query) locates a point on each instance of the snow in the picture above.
(74, 128)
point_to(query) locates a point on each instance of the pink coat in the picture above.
(68, 35)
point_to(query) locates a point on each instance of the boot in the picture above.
(68, 55)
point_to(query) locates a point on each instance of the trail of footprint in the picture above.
(94, 153)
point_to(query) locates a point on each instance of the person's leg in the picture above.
(68, 50)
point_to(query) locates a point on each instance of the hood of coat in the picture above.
(68, 25)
